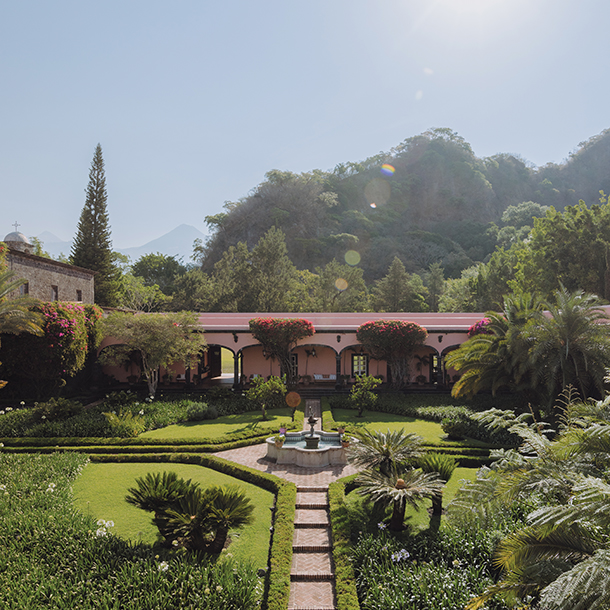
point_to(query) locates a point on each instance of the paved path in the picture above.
(312, 573)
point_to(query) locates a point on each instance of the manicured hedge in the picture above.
(345, 580)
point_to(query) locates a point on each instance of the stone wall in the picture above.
(50, 280)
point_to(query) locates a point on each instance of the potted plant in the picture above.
(279, 440)
(345, 441)
(341, 429)
(305, 379)
(421, 379)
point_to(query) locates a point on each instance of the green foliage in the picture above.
(70, 331)
(159, 339)
(387, 451)
(268, 394)
(84, 561)
(159, 270)
(187, 516)
(92, 247)
(398, 291)
(361, 395)
(125, 423)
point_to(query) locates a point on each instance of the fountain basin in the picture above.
(294, 451)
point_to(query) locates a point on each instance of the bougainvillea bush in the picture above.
(71, 331)
(480, 328)
(393, 341)
(279, 336)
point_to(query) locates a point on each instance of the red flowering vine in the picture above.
(393, 341)
(279, 336)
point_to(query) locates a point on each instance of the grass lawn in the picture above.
(418, 519)
(219, 427)
(101, 489)
(430, 431)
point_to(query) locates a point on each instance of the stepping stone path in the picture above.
(312, 577)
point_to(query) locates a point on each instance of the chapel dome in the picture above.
(18, 241)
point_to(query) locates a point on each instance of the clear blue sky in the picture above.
(193, 101)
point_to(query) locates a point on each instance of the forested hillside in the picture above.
(425, 227)
(429, 200)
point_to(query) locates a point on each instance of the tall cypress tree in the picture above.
(92, 247)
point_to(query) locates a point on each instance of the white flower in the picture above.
(175, 543)
(141, 411)
(1, 412)
(9, 409)
(2, 487)
(109, 523)
(22, 403)
(51, 487)
(206, 591)
(218, 588)
(1, 444)
(163, 566)
(101, 532)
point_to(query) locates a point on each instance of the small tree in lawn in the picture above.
(393, 341)
(159, 339)
(361, 395)
(268, 394)
(279, 337)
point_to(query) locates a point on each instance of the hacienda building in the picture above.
(330, 359)
(47, 279)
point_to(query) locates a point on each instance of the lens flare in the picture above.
(341, 284)
(387, 169)
(373, 205)
(377, 190)
(293, 399)
(352, 257)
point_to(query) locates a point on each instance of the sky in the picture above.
(194, 101)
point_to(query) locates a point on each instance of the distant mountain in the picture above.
(53, 245)
(178, 243)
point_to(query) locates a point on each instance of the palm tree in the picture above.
(444, 465)
(15, 315)
(399, 491)
(386, 451)
(571, 344)
(498, 358)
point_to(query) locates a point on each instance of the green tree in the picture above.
(340, 288)
(135, 294)
(194, 291)
(399, 491)
(387, 452)
(268, 394)
(92, 247)
(571, 345)
(398, 291)
(159, 339)
(496, 356)
(159, 269)
(361, 396)
(435, 280)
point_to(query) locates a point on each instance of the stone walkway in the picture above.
(312, 573)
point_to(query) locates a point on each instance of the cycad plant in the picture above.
(399, 491)
(188, 516)
(444, 465)
(386, 451)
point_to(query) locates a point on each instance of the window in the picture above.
(54, 293)
(294, 365)
(24, 289)
(360, 365)
(79, 296)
